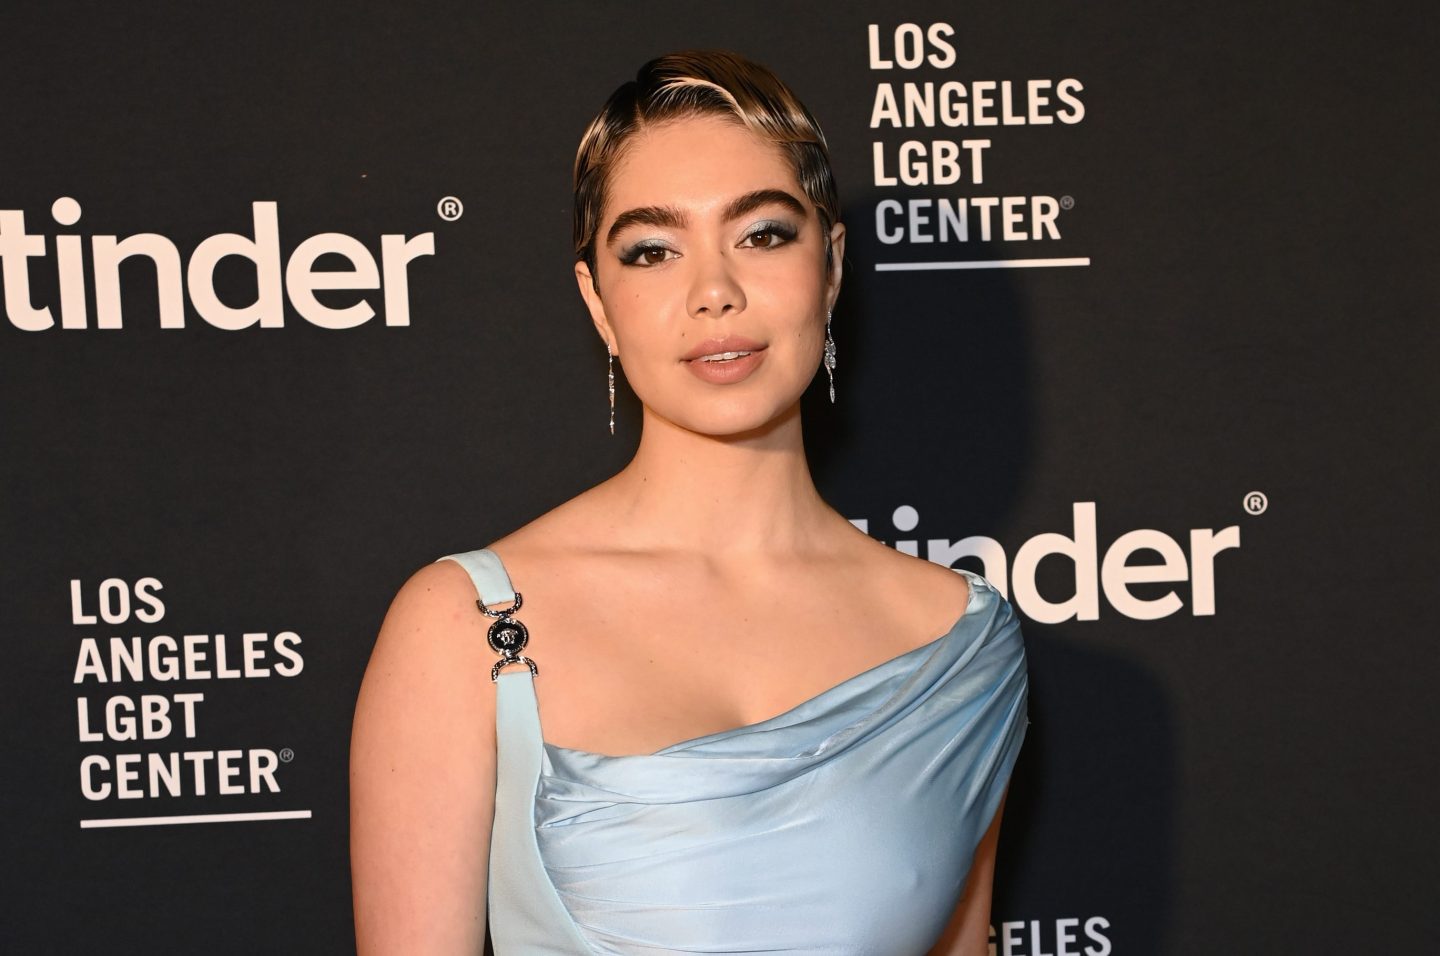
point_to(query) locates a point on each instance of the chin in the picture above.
(733, 418)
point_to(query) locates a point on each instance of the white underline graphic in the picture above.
(195, 818)
(981, 264)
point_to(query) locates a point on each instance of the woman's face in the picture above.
(711, 267)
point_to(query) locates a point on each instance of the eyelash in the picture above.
(783, 232)
(775, 230)
(632, 255)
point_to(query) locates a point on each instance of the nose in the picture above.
(715, 290)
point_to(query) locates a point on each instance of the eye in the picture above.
(649, 253)
(768, 235)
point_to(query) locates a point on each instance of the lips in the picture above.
(725, 361)
(725, 349)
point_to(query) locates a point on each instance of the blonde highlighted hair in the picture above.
(699, 83)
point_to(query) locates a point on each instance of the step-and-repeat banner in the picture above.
(1138, 321)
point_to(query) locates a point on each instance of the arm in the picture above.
(968, 933)
(422, 774)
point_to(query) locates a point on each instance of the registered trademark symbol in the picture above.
(1067, 202)
(287, 755)
(1256, 502)
(450, 208)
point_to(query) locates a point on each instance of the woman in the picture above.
(848, 715)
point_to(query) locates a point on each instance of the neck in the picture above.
(738, 494)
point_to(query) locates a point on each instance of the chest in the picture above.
(633, 668)
(864, 853)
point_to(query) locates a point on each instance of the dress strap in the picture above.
(526, 913)
(492, 584)
(507, 636)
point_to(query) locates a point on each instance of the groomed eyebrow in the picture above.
(671, 218)
(667, 216)
(750, 202)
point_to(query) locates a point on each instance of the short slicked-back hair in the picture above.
(699, 83)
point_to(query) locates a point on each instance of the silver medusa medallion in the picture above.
(507, 637)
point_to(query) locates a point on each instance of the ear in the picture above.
(586, 281)
(837, 264)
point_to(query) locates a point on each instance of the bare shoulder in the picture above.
(437, 589)
(438, 595)
(430, 656)
(432, 631)
(940, 594)
(422, 772)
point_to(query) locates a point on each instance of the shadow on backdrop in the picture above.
(935, 374)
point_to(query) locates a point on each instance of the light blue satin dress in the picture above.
(844, 825)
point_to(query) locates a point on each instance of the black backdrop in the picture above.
(1237, 298)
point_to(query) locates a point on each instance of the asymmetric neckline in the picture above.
(927, 650)
(847, 823)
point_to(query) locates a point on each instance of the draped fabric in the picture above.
(845, 825)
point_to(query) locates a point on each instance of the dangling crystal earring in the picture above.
(830, 355)
(610, 374)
